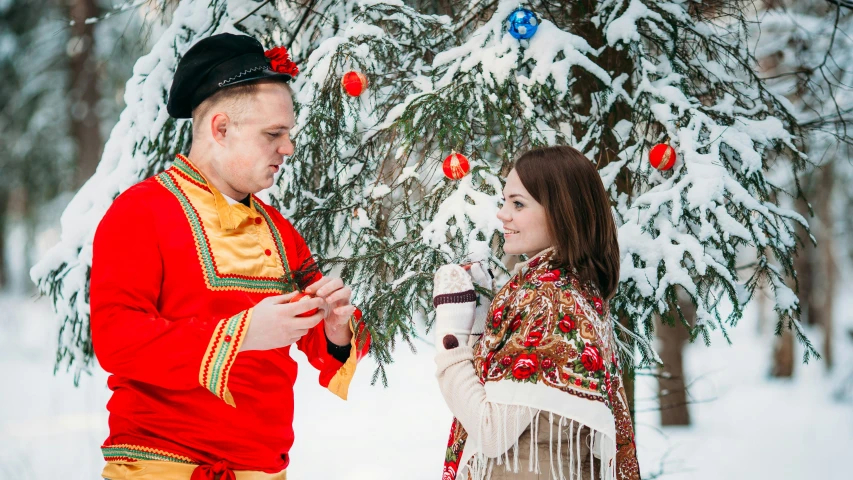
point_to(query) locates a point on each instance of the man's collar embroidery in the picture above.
(230, 216)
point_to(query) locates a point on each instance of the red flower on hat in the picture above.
(280, 61)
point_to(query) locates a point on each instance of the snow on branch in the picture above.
(141, 144)
(365, 185)
(696, 88)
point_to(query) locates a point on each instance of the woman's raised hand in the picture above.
(454, 299)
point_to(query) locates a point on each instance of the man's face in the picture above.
(257, 140)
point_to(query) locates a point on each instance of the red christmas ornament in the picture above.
(456, 166)
(662, 156)
(299, 296)
(354, 83)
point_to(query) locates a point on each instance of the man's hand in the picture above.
(336, 299)
(275, 323)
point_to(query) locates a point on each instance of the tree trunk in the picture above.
(4, 215)
(616, 62)
(17, 202)
(672, 387)
(804, 264)
(84, 93)
(824, 288)
(762, 305)
(783, 350)
(783, 355)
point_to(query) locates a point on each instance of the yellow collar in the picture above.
(230, 216)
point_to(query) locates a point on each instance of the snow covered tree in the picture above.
(47, 103)
(365, 186)
(805, 53)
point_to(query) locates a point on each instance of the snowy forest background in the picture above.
(746, 410)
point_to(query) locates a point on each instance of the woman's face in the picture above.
(524, 219)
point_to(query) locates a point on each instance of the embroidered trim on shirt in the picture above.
(213, 278)
(181, 163)
(134, 453)
(221, 353)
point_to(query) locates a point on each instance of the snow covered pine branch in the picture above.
(610, 77)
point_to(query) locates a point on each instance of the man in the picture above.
(192, 278)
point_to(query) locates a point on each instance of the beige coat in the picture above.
(497, 427)
(499, 472)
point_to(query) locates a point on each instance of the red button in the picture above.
(268, 252)
(258, 220)
(227, 338)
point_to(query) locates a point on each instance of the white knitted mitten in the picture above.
(454, 300)
(482, 278)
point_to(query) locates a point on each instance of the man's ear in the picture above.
(219, 125)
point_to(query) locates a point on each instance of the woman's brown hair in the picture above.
(567, 184)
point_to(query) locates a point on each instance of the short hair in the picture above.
(233, 97)
(577, 206)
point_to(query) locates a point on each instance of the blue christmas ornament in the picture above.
(522, 23)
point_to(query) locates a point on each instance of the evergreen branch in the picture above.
(475, 15)
(133, 4)
(842, 3)
(262, 5)
(308, 9)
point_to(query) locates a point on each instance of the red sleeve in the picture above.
(314, 344)
(130, 337)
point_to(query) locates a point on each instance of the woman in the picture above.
(541, 391)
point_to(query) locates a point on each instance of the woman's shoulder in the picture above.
(560, 285)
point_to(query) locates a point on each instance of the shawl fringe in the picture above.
(564, 456)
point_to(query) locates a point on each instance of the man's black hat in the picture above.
(221, 61)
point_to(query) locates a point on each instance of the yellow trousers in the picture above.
(157, 470)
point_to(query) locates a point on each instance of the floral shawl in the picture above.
(549, 345)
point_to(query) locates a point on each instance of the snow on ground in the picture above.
(747, 426)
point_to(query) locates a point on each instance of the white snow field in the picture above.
(746, 426)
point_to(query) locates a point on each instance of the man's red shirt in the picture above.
(176, 272)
